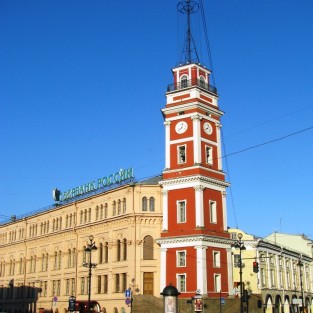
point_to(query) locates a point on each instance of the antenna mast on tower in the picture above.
(189, 7)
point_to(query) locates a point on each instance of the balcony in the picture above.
(192, 83)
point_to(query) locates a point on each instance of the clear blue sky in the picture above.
(82, 84)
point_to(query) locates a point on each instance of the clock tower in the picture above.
(195, 244)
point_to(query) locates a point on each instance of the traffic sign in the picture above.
(128, 301)
(128, 293)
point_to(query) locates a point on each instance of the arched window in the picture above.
(114, 208)
(106, 210)
(89, 215)
(148, 248)
(144, 204)
(119, 206)
(81, 217)
(151, 204)
(118, 250)
(101, 253)
(202, 82)
(124, 205)
(184, 81)
(106, 252)
(97, 213)
(85, 216)
(124, 249)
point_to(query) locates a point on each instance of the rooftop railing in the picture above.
(192, 83)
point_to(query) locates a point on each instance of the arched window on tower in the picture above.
(124, 205)
(148, 248)
(184, 81)
(202, 82)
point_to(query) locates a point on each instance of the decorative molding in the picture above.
(194, 179)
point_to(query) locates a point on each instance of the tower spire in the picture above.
(189, 51)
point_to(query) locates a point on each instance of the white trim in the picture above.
(201, 269)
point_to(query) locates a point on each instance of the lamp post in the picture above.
(300, 264)
(91, 246)
(240, 245)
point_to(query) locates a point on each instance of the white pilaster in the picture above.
(196, 137)
(224, 204)
(219, 148)
(162, 268)
(201, 269)
(199, 206)
(165, 209)
(167, 144)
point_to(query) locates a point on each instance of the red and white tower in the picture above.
(195, 244)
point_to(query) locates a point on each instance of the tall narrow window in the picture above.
(151, 204)
(97, 213)
(114, 208)
(184, 81)
(148, 248)
(119, 206)
(105, 283)
(124, 205)
(106, 252)
(124, 249)
(181, 282)
(181, 211)
(181, 258)
(217, 282)
(213, 218)
(118, 250)
(181, 154)
(144, 204)
(202, 82)
(101, 253)
(117, 282)
(216, 259)
(208, 155)
(106, 210)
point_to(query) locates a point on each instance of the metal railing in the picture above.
(191, 83)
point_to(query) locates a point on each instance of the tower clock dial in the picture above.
(181, 127)
(207, 128)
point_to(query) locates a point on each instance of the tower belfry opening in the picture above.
(189, 53)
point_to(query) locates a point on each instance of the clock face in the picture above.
(207, 128)
(181, 127)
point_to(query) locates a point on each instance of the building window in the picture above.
(151, 204)
(237, 260)
(181, 258)
(148, 248)
(117, 282)
(181, 282)
(82, 286)
(208, 155)
(184, 81)
(114, 208)
(144, 204)
(106, 210)
(118, 250)
(181, 212)
(105, 283)
(216, 259)
(213, 218)
(181, 154)
(101, 253)
(202, 82)
(106, 252)
(124, 281)
(97, 213)
(217, 282)
(124, 205)
(124, 249)
(119, 206)
(263, 278)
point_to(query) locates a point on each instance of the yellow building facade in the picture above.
(43, 258)
(283, 279)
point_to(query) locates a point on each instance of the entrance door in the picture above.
(148, 283)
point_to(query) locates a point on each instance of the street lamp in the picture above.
(300, 264)
(91, 246)
(240, 245)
